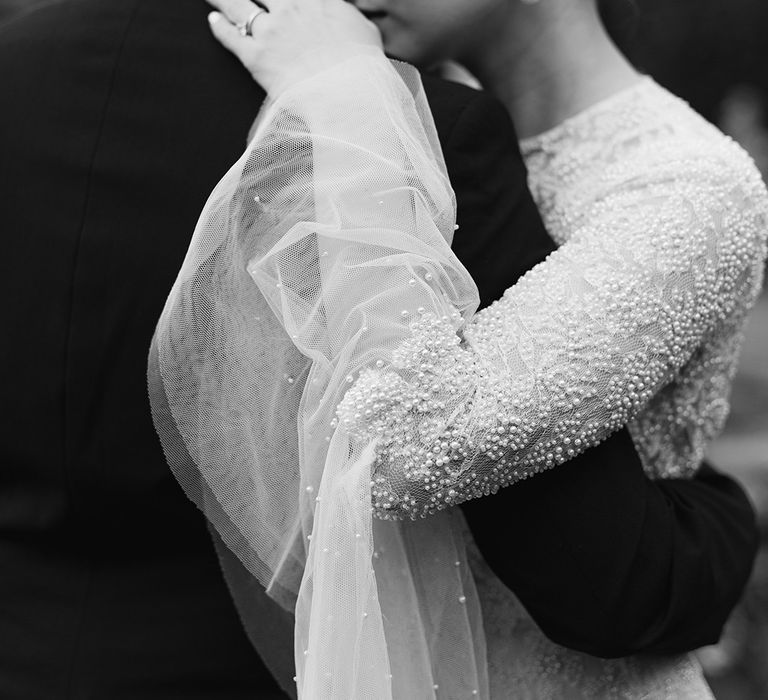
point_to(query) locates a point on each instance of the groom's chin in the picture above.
(426, 64)
(401, 47)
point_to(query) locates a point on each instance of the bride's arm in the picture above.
(600, 532)
(363, 279)
(576, 348)
(614, 533)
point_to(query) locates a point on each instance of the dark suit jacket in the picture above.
(118, 118)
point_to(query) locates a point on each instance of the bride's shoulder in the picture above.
(649, 143)
(685, 136)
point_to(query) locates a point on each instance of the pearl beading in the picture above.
(637, 319)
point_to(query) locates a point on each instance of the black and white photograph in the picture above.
(384, 350)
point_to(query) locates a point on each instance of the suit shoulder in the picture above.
(453, 104)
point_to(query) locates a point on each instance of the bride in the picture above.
(320, 292)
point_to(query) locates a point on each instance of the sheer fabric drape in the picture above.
(339, 212)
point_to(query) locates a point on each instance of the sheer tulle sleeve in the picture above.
(311, 259)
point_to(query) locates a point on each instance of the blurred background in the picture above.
(713, 53)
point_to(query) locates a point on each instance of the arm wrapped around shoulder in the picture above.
(670, 256)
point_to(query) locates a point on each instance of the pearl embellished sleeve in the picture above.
(318, 362)
(666, 255)
(661, 256)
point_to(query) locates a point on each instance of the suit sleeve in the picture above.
(611, 562)
(501, 235)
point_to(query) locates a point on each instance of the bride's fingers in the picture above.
(285, 43)
(237, 11)
(230, 37)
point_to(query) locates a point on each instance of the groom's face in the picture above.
(426, 31)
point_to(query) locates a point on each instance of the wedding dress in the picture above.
(573, 169)
(323, 382)
(638, 319)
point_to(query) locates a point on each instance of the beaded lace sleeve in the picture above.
(671, 248)
(348, 241)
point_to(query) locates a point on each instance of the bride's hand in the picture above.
(291, 39)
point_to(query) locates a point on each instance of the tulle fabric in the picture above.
(286, 292)
(320, 276)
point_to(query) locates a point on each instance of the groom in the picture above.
(118, 119)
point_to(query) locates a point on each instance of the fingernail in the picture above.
(214, 17)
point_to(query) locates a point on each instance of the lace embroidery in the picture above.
(637, 318)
